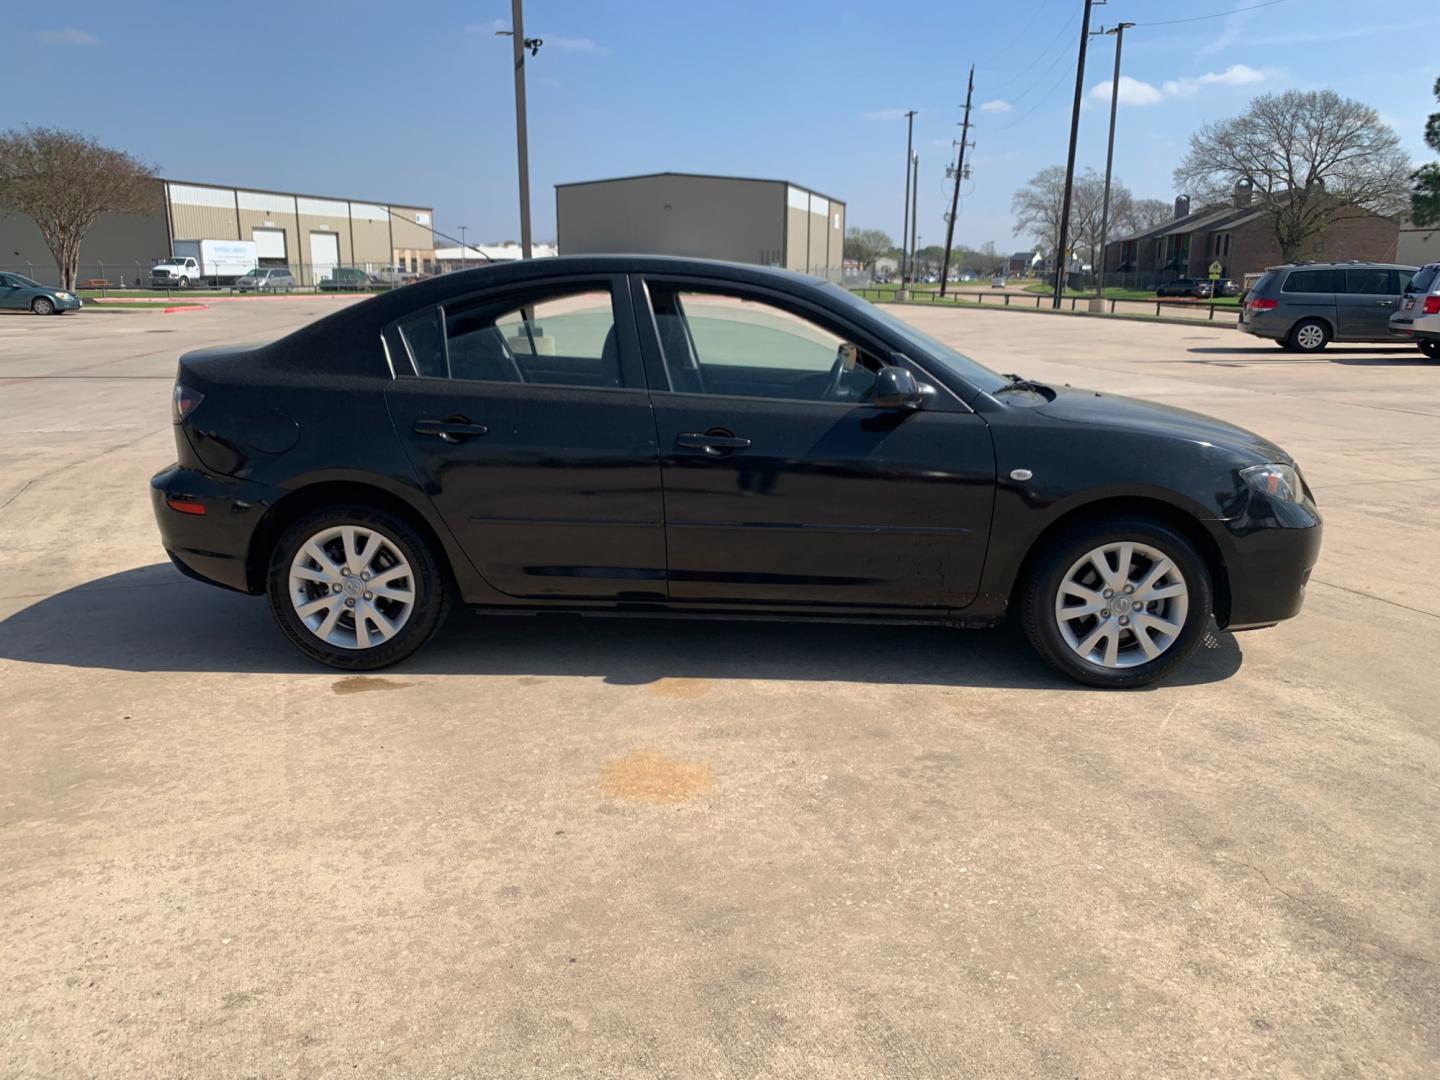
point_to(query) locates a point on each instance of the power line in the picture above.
(1035, 59)
(1217, 15)
(1043, 100)
(1024, 31)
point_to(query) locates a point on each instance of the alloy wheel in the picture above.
(352, 587)
(1310, 336)
(43, 306)
(1122, 604)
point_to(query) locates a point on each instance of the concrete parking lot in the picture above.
(551, 847)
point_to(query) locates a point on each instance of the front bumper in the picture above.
(1268, 563)
(74, 303)
(213, 546)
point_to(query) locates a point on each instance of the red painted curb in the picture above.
(187, 307)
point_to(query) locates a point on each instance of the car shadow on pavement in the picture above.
(151, 619)
(1388, 355)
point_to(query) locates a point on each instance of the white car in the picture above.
(1417, 313)
(998, 281)
(182, 272)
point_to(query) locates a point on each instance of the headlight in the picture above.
(1276, 481)
(63, 296)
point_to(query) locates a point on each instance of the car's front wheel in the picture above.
(42, 305)
(1430, 349)
(1117, 604)
(356, 588)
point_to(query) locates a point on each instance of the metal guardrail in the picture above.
(1043, 300)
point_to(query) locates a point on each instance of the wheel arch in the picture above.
(1158, 510)
(316, 496)
(1329, 325)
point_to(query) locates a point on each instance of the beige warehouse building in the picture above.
(740, 219)
(311, 234)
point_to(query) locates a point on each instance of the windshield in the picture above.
(974, 373)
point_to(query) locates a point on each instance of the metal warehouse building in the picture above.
(311, 234)
(768, 222)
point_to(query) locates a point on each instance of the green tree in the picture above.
(1425, 181)
(64, 181)
(867, 245)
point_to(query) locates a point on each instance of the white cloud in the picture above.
(1136, 92)
(883, 114)
(1132, 92)
(996, 106)
(1234, 75)
(67, 36)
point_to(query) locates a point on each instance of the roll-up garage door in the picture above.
(324, 255)
(269, 246)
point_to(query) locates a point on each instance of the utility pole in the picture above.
(914, 215)
(1062, 258)
(959, 175)
(517, 35)
(463, 252)
(1119, 32)
(905, 224)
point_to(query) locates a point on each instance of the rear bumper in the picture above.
(214, 546)
(1269, 566)
(1263, 328)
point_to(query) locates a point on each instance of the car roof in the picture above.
(1346, 264)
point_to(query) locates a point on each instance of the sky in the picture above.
(414, 102)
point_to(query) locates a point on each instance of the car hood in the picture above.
(1116, 412)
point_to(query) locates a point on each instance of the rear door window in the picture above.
(1314, 281)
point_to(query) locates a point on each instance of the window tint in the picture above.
(1314, 281)
(718, 343)
(1371, 281)
(561, 340)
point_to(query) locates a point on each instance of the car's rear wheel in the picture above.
(1309, 335)
(1117, 604)
(356, 588)
(42, 305)
(1430, 349)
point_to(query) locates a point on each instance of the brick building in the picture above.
(1239, 235)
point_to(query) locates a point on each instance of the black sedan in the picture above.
(643, 435)
(1195, 288)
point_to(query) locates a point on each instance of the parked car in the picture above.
(181, 272)
(346, 279)
(1227, 287)
(394, 275)
(1417, 315)
(1306, 306)
(998, 281)
(266, 279)
(20, 293)
(1195, 288)
(489, 438)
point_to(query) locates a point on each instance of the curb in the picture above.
(1168, 320)
(187, 307)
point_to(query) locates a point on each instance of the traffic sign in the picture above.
(1215, 269)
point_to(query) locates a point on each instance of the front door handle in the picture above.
(451, 430)
(711, 442)
(1385, 303)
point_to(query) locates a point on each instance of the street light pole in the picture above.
(1061, 255)
(517, 37)
(914, 215)
(463, 252)
(905, 224)
(1119, 32)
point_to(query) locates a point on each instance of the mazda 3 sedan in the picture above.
(658, 436)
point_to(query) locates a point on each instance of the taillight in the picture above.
(186, 401)
(186, 506)
(1259, 304)
(1432, 305)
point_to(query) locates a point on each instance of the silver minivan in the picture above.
(266, 279)
(1417, 318)
(1304, 307)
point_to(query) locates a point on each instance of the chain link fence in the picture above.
(272, 275)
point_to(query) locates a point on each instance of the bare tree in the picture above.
(867, 245)
(1038, 205)
(1312, 157)
(1142, 215)
(64, 181)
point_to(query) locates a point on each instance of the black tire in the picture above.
(1430, 349)
(430, 582)
(1304, 339)
(1046, 572)
(42, 305)
(183, 283)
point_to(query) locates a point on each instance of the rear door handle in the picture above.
(711, 444)
(450, 431)
(1385, 303)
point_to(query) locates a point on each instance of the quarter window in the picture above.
(719, 343)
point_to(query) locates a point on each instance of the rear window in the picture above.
(1314, 281)
(1425, 278)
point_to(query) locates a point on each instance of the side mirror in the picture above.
(896, 388)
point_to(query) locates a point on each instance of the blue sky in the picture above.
(414, 102)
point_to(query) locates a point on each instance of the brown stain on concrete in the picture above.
(363, 684)
(680, 689)
(649, 776)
